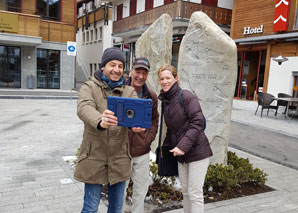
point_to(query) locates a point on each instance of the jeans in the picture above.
(93, 194)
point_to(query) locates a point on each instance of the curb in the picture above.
(37, 97)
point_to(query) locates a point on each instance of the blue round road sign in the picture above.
(71, 48)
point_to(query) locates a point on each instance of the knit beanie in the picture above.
(110, 54)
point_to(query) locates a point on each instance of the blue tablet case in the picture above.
(131, 112)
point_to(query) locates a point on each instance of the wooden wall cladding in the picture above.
(29, 6)
(286, 49)
(29, 25)
(68, 15)
(51, 31)
(253, 13)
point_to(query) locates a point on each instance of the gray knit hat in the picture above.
(110, 54)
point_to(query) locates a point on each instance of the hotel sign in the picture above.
(282, 8)
(252, 30)
(8, 23)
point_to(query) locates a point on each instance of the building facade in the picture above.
(33, 44)
(264, 30)
(128, 19)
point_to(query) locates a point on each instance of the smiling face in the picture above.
(113, 70)
(167, 79)
(138, 78)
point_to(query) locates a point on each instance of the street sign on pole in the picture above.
(71, 48)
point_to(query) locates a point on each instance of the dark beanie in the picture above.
(110, 54)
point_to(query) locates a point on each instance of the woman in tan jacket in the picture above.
(104, 154)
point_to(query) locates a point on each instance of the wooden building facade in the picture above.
(264, 30)
(33, 40)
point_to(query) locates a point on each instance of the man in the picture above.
(104, 155)
(140, 141)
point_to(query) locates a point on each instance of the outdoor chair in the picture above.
(265, 100)
(284, 103)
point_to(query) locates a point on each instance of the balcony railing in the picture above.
(177, 9)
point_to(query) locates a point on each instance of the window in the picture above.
(296, 19)
(91, 70)
(91, 35)
(210, 3)
(87, 36)
(95, 68)
(14, 5)
(48, 9)
(119, 12)
(132, 7)
(48, 69)
(148, 4)
(95, 34)
(168, 1)
(100, 33)
(10, 66)
(83, 37)
(295, 85)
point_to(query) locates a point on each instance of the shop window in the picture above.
(148, 4)
(48, 69)
(10, 64)
(132, 7)
(119, 12)
(48, 9)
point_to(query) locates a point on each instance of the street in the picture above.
(264, 143)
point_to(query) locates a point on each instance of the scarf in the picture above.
(112, 84)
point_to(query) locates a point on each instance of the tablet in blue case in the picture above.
(131, 112)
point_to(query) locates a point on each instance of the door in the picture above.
(48, 69)
(10, 67)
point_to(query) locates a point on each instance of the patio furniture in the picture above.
(285, 103)
(265, 100)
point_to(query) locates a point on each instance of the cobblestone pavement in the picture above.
(38, 136)
(35, 135)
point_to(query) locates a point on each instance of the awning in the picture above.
(22, 40)
(263, 39)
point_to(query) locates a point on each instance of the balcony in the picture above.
(179, 10)
(22, 24)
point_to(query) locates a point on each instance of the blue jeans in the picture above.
(93, 194)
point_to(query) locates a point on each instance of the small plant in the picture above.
(224, 179)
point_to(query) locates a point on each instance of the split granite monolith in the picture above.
(207, 66)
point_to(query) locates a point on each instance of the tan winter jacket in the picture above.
(104, 154)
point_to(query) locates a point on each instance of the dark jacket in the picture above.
(140, 142)
(104, 155)
(185, 126)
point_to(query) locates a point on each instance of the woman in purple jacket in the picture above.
(186, 135)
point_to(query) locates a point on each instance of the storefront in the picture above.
(266, 30)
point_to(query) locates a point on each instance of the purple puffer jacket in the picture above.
(185, 126)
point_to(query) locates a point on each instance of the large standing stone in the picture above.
(156, 45)
(207, 67)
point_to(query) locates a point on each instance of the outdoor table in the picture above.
(289, 100)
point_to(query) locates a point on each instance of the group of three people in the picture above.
(111, 155)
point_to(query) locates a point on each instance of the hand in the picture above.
(177, 152)
(108, 119)
(138, 129)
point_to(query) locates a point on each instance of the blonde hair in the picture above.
(168, 67)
